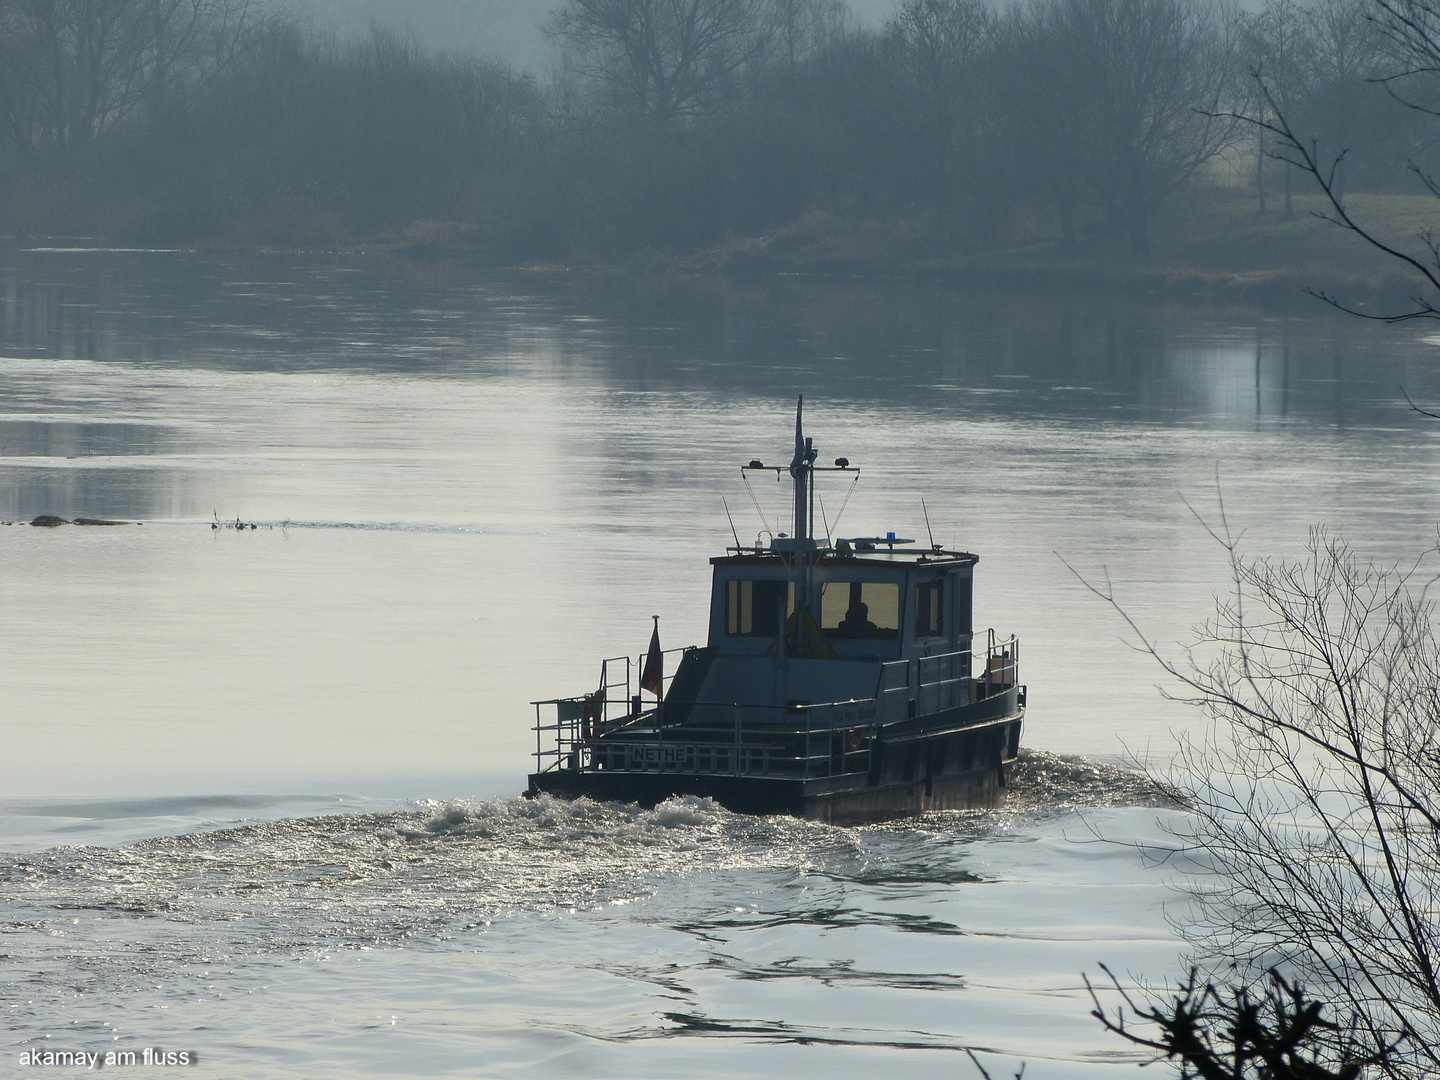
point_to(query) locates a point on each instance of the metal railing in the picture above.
(760, 740)
(736, 739)
(614, 701)
(919, 686)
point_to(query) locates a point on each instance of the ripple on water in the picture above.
(610, 922)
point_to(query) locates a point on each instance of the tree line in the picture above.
(678, 124)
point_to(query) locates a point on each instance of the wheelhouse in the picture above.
(874, 607)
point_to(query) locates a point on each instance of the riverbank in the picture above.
(1214, 246)
(1208, 245)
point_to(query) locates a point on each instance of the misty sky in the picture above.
(507, 28)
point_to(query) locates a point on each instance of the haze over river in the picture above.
(257, 787)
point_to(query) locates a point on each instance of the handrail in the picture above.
(610, 681)
(755, 733)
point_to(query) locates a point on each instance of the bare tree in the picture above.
(940, 44)
(366, 134)
(1315, 798)
(1405, 36)
(1278, 43)
(73, 70)
(1409, 40)
(1344, 57)
(799, 29)
(1411, 29)
(662, 58)
(1153, 75)
(1048, 119)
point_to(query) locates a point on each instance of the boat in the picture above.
(841, 680)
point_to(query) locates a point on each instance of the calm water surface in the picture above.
(468, 488)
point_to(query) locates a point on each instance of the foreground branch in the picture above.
(1235, 1035)
(1314, 797)
(1290, 148)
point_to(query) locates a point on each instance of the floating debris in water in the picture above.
(237, 524)
(51, 521)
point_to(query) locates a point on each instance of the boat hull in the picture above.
(952, 761)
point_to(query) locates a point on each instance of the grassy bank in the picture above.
(1208, 243)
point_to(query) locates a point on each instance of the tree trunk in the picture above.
(1260, 166)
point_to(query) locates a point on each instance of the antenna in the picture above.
(846, 503)
(756, 501)
(825, 520)
(730, 519)
(933, 546)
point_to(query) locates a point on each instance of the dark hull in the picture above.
(949, 761)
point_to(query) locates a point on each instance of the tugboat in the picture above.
(841, 681)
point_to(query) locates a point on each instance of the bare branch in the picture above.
(1313, 837)
(1422, 412)
(1294, 151)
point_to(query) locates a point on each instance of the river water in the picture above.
(257, 789)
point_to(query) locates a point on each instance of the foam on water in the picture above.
(595, 939)
(1044, 782)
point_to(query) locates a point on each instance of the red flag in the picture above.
(652, 676)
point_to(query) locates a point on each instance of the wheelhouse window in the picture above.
(753, 608)
(860, 610)
(930, 608)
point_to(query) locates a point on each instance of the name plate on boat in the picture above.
(641, 756)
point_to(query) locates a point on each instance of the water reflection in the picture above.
(897, 344)
(71, 439)
(903, 343)
(131, 493)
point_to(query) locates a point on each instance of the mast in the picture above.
(801, 468)
(800, 471)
